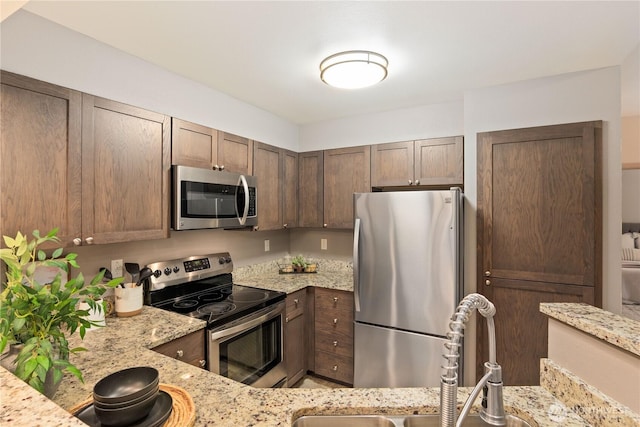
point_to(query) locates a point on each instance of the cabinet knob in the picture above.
(77, 241)
(202, 363)
(324, 225)
(335, 368)
(89, 240)
(221, 167)
(410, 182)
(417, 182)
(295, 301)
(335, 321)
(215, 167)
(487, 273)
(256, 227)
(335, 343)
(487, 282)
(286, 320)
(335, 299)
(285, 225)
(179, 353)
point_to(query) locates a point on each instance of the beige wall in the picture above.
(307, 242)
(630, 127)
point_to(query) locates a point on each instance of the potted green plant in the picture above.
(38, 317)
(299, 264)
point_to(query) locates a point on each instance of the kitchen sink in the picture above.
(395, 421)
(344, 421)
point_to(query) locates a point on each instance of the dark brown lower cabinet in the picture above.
(539, 235)
(294, 337)
(188, 349)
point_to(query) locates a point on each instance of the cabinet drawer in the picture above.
(295, 304)
(327, 300)
(188, 349)
(339, 368)
(337, 323)
(341, 345)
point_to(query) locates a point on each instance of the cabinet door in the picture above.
(290, 190)
(40, 154)
(346, 171)
(235, 153)
(311, 189)
(439, 161)
(125, 172)
(188, 349)
(267, 165)
(392, 164)
(193, 145)
(539, 234)
(295, 339)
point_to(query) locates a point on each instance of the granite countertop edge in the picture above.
(126, 342)
(614, 329)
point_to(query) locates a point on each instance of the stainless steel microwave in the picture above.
(204, 198)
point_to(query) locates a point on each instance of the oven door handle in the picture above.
(247, 322)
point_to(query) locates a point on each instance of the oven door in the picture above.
(250, 350)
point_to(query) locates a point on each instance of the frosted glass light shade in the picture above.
(353, 69)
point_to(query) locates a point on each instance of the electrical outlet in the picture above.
(116, 268)
(323, 244)
(266, 245)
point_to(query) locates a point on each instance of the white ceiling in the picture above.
(267, 53)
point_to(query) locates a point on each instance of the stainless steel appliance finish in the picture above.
(245, 325)
(204, 198)
(407, 282)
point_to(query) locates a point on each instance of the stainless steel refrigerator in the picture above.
(407, 284)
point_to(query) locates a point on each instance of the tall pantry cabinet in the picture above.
(95, 168)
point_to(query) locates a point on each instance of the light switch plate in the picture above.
(266, 245)
(323, 244)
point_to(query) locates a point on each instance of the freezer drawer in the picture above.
(391, 358)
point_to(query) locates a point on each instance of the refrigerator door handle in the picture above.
(356, 264)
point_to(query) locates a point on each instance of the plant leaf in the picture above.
(56, 253)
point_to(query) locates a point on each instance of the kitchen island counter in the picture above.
(125, 342)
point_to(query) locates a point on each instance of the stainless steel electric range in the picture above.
(244, 324)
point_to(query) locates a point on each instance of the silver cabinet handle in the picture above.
(487, 282)
(410, 182)
(285, 225)
(221, 167)
(324, 225)
(202, 362)
(335, 343)
(335, 321)
(179, 353)
(77, 241)
(295, 301)
(335, 299)
(216, 167)
(286, 320)
(89, 240)
(417, 182)
(335, 368)
(487, 273)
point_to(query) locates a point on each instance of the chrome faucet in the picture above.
(491, 383)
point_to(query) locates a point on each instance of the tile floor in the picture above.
(310, 381)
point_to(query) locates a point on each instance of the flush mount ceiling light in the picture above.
(353, 69)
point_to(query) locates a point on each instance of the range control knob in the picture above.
(157, 273)
(167, 271)
(176, 269)
(227, 259)
(221, 260)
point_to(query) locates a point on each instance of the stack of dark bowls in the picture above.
(126, 396)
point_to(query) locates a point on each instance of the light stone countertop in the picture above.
(617, 330)
(125, 343)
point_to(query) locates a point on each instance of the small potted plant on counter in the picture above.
(299, 264)
(36, 318)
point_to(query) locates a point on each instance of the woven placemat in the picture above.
(183, 412)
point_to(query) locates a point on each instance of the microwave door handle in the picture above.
(243, 180)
